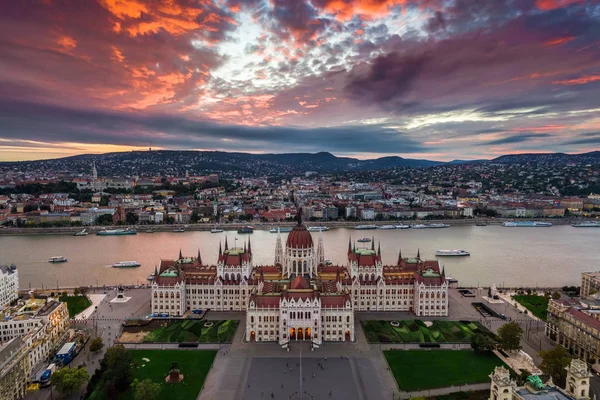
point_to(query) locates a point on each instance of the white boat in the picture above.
(151, 277)
(526, 224)
(453, 252)
(57, 259)
(363, 227)
(402, 226)
(81, 233)
(591, 224)
(364, 240)
(387, 227)
(281, 229)
(449, 279)
(327, 262)
(419, 226)
(126, 264)
(439, 226)
(317, 228)
(182, 229)
(216, 230)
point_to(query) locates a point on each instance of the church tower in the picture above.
(278, 249)
(501, 387)
(94, 171)
(578, 380)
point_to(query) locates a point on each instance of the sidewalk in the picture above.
(96, 300)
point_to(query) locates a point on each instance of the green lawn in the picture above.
(193, 364)
(537, 305)
(416, 331)
(428, 369)
(194, 331)
(76, 304)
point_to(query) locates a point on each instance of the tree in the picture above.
(96, 344)
(554, 362)
(105, 219)
(145, 390)
(195, 217)
(555, 295)
(76, 292)
(119, 373)
(68, 380)
(131, 218)
(481, 343)
(509, 336)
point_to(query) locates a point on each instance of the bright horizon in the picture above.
(427, 79)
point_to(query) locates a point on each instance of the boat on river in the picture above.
(179, 230)
(481, 224)
(81, 233)
(454, 252)
(281, 229)
(439, 226)
(401, 226)
(364, 240)
(57, 259)
(116, 232)
(387, 227)
(317, 228)
(246, 229)
(216, 230)
(526, 224)
(590, 224)
(364, 227)
(126, 264)
(419, 226)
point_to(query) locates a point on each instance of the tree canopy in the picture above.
(145, 390)
(554, 362)
(509, 336)
(68, 380)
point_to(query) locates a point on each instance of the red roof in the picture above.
(583, 317)
(299, 238)
(299, 282)
(333, 301)
(267, 301)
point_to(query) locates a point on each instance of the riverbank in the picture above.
(269, 225)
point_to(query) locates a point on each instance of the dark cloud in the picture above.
(436, 23)
(522, 137)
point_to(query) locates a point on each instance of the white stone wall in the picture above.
(262, 324)
(431, 301)
(168, 299)
(337, 325)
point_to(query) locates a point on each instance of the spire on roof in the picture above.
(180, 255)
(244, 246)
(338, 277)
(379, 248)
(155, 270)
(418, 254)
(249, 247)
(226, 247)
(399, 256)
(199, 258)
(350, 243)
(220, 249)
(373, 244)
(443, 271)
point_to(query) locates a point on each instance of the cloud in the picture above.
(578, 81)
(523, 137)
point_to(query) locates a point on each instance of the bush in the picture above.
(96, 344)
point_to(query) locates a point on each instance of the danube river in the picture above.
(552, 256)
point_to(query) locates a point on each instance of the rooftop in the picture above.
(548, 393)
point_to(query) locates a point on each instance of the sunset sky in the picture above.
(436, 79)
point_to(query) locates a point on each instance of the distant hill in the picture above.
(178, 162)
(549, 158)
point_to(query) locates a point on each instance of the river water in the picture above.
(553, 256)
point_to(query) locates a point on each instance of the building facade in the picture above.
(9, 284)
(300, 296)
(590, 283)
(14, 369)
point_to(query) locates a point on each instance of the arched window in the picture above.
(226, 276)
(239, 277)
(252, 319)
(305, 269)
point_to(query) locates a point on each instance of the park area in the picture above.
(75, 304)
(429, 369)
(537, 305)
(417, 331)
(155, 365)
(179, 331)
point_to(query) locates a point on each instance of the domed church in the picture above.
(299, 297)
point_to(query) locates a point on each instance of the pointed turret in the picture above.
(338, 276)
(226, 246)
(373, 243)
(244, 246)
(180, 255)
(199, 258)
(249, 247)
(220, 250)
(379, 248)
(350, 244)
(418, 254)
(399, 256)
(155, 270)
(443, 271)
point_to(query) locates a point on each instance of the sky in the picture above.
(434, 79)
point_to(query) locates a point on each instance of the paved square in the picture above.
(267, 375)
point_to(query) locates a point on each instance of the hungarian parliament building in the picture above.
(300, 296)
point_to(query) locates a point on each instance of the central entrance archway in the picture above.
(292, 334)
(253, 336)
(300, 334)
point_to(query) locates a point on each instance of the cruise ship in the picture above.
(439, 225)
(116, 232)
(453, 252)
(246, 229)
(281, 229)
(590, 224)
(57, 259)
(402, 226)
(317, 229)
(364, 240)
(364, 227)
(419, 226)
(526, 224)
(387, 227)
(126, 264)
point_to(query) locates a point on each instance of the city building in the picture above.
(502, 387)
(590, 283)
(9, 284)
(14, 369)
(574, 327)
(300, 297)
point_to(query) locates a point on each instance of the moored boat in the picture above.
(57, 259)
(453, 252)
(363, 227)
(216, 230)
(419, 226)
(481, 224)
(439, 226)
(281, 229)
(317, 228)
(364, 240)
(81, 233)
(246, 229)
(526, 224)
(387, 227)
(126, 264)
(590, 224)
(179, 230)
(151, 277)
(116, 232)
(401, 226)
(449, 279)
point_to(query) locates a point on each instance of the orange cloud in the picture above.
(543, 128)
(578, 81)
(553, 4)
(117, 55)
(344, 10)
(125, 8)
(562, 40)
(66, 43)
